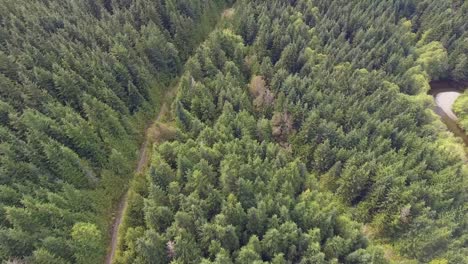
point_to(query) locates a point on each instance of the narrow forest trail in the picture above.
(156, 132)
(152, 134)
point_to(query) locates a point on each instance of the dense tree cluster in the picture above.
(461, 110)
(445, 21)
(296, 121)
(74, 77)
(224, 193)
(347, 99)
(371, 143)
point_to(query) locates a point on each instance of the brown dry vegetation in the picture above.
(228, 13)
(282, 126)
(263, 96)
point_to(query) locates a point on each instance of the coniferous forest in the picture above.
(301, 131)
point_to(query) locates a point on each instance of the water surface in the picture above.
(445, 94)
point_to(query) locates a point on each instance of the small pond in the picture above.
(445, 93)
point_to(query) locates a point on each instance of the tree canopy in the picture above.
(303, 131)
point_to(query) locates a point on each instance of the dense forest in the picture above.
(77, 81)
(461, 109)
(304, 131)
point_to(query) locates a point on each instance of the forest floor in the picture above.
(156, 132)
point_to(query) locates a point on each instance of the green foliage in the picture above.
(343, 90)
(434, 59)
(229, 197)
(42, 256)
(86, 243)
(342, 132)
(460, 108)
(77, 82)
